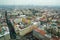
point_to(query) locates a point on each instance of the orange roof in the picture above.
(42, 32)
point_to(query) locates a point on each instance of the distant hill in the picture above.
(27, 6)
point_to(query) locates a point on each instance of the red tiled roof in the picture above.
(42, 32)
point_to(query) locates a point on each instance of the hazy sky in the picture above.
(29, 2)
